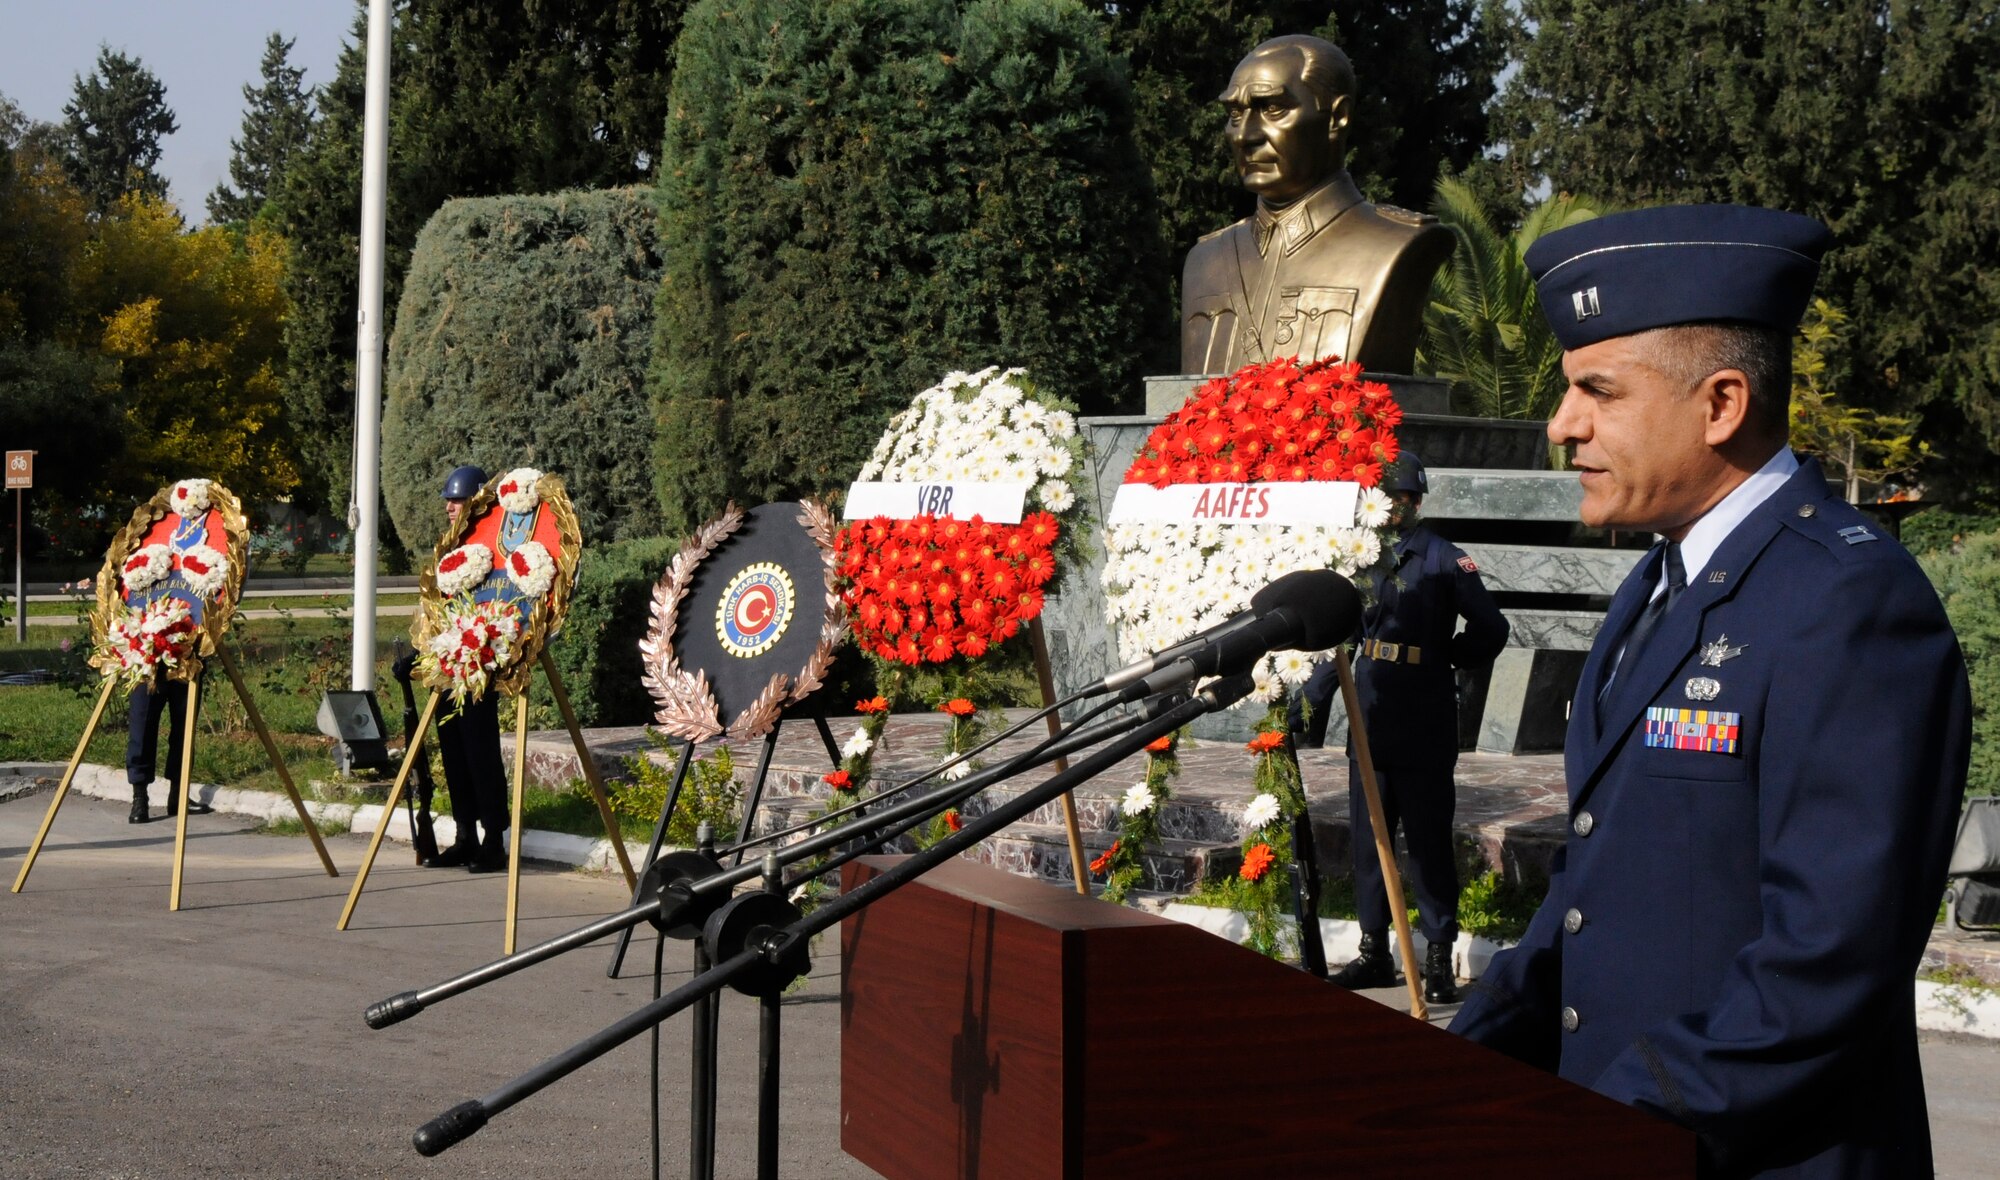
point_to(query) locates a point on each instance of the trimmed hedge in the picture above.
(522, 338)
(598, 650)
(858, 196)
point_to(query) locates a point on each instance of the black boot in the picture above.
(138, 814)
(1440, 982)
(457, 856)
(1373, 968)
(492, 854)
(195, 806)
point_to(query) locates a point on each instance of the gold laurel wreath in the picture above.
(545, 617)
(216, 613)
(687, 705)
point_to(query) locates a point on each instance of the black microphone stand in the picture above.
(754, 947)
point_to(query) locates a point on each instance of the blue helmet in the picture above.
(463, 482)
(1409, 476)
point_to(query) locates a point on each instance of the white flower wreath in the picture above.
(204, 569)
(462, 569)
(517, 490)
(531, 569)
(144, 568)
(473, 642)
(982, 427)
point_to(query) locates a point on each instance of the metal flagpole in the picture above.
(362, 510)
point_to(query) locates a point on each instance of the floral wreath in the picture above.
(1275, 423)
(144, 623)
(932, 586)
(468, 645)
(687, 705)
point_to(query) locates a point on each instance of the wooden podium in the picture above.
(998, 1027)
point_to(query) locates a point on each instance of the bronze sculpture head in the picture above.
(1288, 104)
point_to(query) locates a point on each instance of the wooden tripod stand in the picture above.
(514, 812)
(187, 784)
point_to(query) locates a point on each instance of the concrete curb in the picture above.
(104, 782)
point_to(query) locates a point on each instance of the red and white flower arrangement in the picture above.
(932, 587)
(203, 569)
(150, 639)
(462, 569)
(531, 569)
(1273, 423)
(145, 567)
(190, 498)
(516, 490)
(476, 638)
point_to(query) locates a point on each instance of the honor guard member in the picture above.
(1409, 650)
(1768, 745)
(469, 745)
(142, 738)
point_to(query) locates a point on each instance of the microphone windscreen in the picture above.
(1325, 605)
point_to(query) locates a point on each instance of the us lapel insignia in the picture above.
(1718, 577)
(1702, 688)
(1712, 654)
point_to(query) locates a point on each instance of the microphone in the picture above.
(1305, 610)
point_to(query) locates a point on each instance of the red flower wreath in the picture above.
(1274, 423)
(930, 588)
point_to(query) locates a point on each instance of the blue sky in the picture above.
(204, 51)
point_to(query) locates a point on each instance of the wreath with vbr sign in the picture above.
(169, 584)
(499, 588)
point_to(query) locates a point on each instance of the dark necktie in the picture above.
(1675, 576)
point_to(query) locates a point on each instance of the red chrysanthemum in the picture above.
(1104, 858)
(1256, 862)
(1264, 743)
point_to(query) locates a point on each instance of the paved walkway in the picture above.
(226, 1040)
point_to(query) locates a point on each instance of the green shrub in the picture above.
(857, 197)
(522, 339)
(709, 793)
(597, 653)
(1967, 578)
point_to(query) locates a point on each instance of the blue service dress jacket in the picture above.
(1412, 708)
(1760, 810)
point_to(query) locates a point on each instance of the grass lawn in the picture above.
(287, 663)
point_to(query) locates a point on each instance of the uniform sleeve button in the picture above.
(1571, 1021)
(1573, 920)
(1807, 510)
(1582, 824)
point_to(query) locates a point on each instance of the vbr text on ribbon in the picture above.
(995, 503)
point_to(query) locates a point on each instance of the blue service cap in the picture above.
(1677, 264)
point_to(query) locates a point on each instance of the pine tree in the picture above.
(115, 123)
(1880, 117)
(275, 121)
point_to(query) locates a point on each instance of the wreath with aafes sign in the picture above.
(1272, 469)
(960, 519)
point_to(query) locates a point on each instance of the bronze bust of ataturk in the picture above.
(1316, 271)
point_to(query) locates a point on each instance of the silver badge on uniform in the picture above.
(1701, 688)
(1712, 654)
(1585, 303)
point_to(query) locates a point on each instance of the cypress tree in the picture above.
(522, 339)
(857, 197)
(115, 121)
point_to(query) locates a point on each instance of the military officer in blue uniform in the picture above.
(1768, 747)
(1410, 647)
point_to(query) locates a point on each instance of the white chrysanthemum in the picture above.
(1056, 496)
(531, 569)
(144, 567)
(516, 490)
(1028, 415)
(1292, 667)
(857, 745)
(462, 569)
(1138, 799)
(1266, 687)
(203, 569)
(1262, 813)
(955, 771)
(1062, 424)
(190, 497)
(1372, 509)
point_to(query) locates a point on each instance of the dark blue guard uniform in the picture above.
(1410, 648)
(1761, 802)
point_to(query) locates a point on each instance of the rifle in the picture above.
(422, 835)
